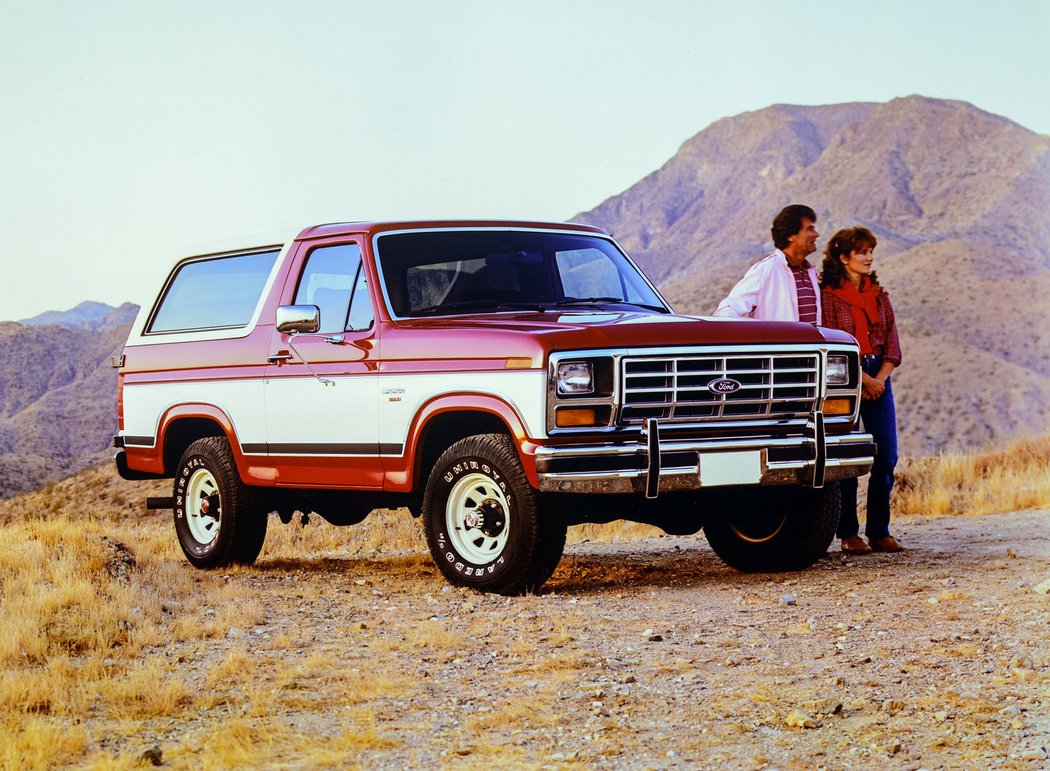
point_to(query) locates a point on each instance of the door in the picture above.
(322, 417)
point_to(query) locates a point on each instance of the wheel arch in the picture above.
(184, 424)
(447, 419)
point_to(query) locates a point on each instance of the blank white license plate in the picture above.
(730, 468)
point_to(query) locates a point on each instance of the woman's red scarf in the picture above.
(864, 304)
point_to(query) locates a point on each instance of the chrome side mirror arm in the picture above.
(291, 344)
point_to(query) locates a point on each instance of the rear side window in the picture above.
(215, 293)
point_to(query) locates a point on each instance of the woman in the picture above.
(853, 301)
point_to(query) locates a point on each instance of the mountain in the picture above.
(58, 395)
(960, 202)
(87, 315)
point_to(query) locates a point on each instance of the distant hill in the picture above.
(58, 410)
(960, 202)
(87, 315)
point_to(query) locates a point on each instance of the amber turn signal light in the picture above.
(838, 407)
(576, 417)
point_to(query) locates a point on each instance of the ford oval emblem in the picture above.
(725, 385)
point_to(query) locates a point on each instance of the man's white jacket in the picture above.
(767, 292)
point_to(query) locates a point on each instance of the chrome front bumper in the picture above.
(652, 466)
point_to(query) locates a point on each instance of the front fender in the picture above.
(402, 478)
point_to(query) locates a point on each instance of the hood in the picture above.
(576, 330)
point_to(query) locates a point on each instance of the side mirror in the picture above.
(298, 319)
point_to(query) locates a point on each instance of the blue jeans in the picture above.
(880, 420)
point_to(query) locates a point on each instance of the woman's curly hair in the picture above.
(844, 243)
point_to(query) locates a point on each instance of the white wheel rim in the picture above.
(478, 518)
(203, 507)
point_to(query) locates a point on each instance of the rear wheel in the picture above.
(483, 522)
(766, 530)
(215, 519)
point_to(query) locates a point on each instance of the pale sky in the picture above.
(137, 132)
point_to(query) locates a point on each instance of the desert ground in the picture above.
(639, 653)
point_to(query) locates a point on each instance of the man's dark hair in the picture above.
(789, 223)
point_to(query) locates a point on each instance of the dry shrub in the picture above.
(61, 594)
(361, 687)
(147, 691)
(620, 530)
(360, 735)
(36, 742)
(238, 667)
(384, 531)
(239, 742)
(516, 715)
(990, 482)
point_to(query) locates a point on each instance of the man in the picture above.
(783, 286)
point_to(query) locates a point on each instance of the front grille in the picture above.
(675, 388)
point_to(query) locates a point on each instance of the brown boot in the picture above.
(886, 543)
(854, 544)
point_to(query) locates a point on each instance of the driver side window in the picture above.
(334, 280)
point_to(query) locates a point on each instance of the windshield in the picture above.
(439, 273)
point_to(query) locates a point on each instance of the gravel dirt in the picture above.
(653, 654)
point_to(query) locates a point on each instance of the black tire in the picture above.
(551, 546)
(215, 519)
(767, 530)
(482, 519)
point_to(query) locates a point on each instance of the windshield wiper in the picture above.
(587, 300)
(478, 305)
(598, 300)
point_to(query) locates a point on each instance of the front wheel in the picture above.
(483, 523)
(762, 530)
(215, 520)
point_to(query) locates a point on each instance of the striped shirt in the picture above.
(807, 298)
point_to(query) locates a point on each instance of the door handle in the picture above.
(278, 357)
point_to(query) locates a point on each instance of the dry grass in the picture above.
(107, 629)
(1012, 479)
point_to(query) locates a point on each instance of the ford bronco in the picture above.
(503, 380)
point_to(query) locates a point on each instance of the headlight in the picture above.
(838, 370)
(575, 378)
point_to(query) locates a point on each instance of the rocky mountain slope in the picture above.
(57, 395)
(87, 315)
(959, 200)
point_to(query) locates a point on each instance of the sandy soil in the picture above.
(653, 654)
